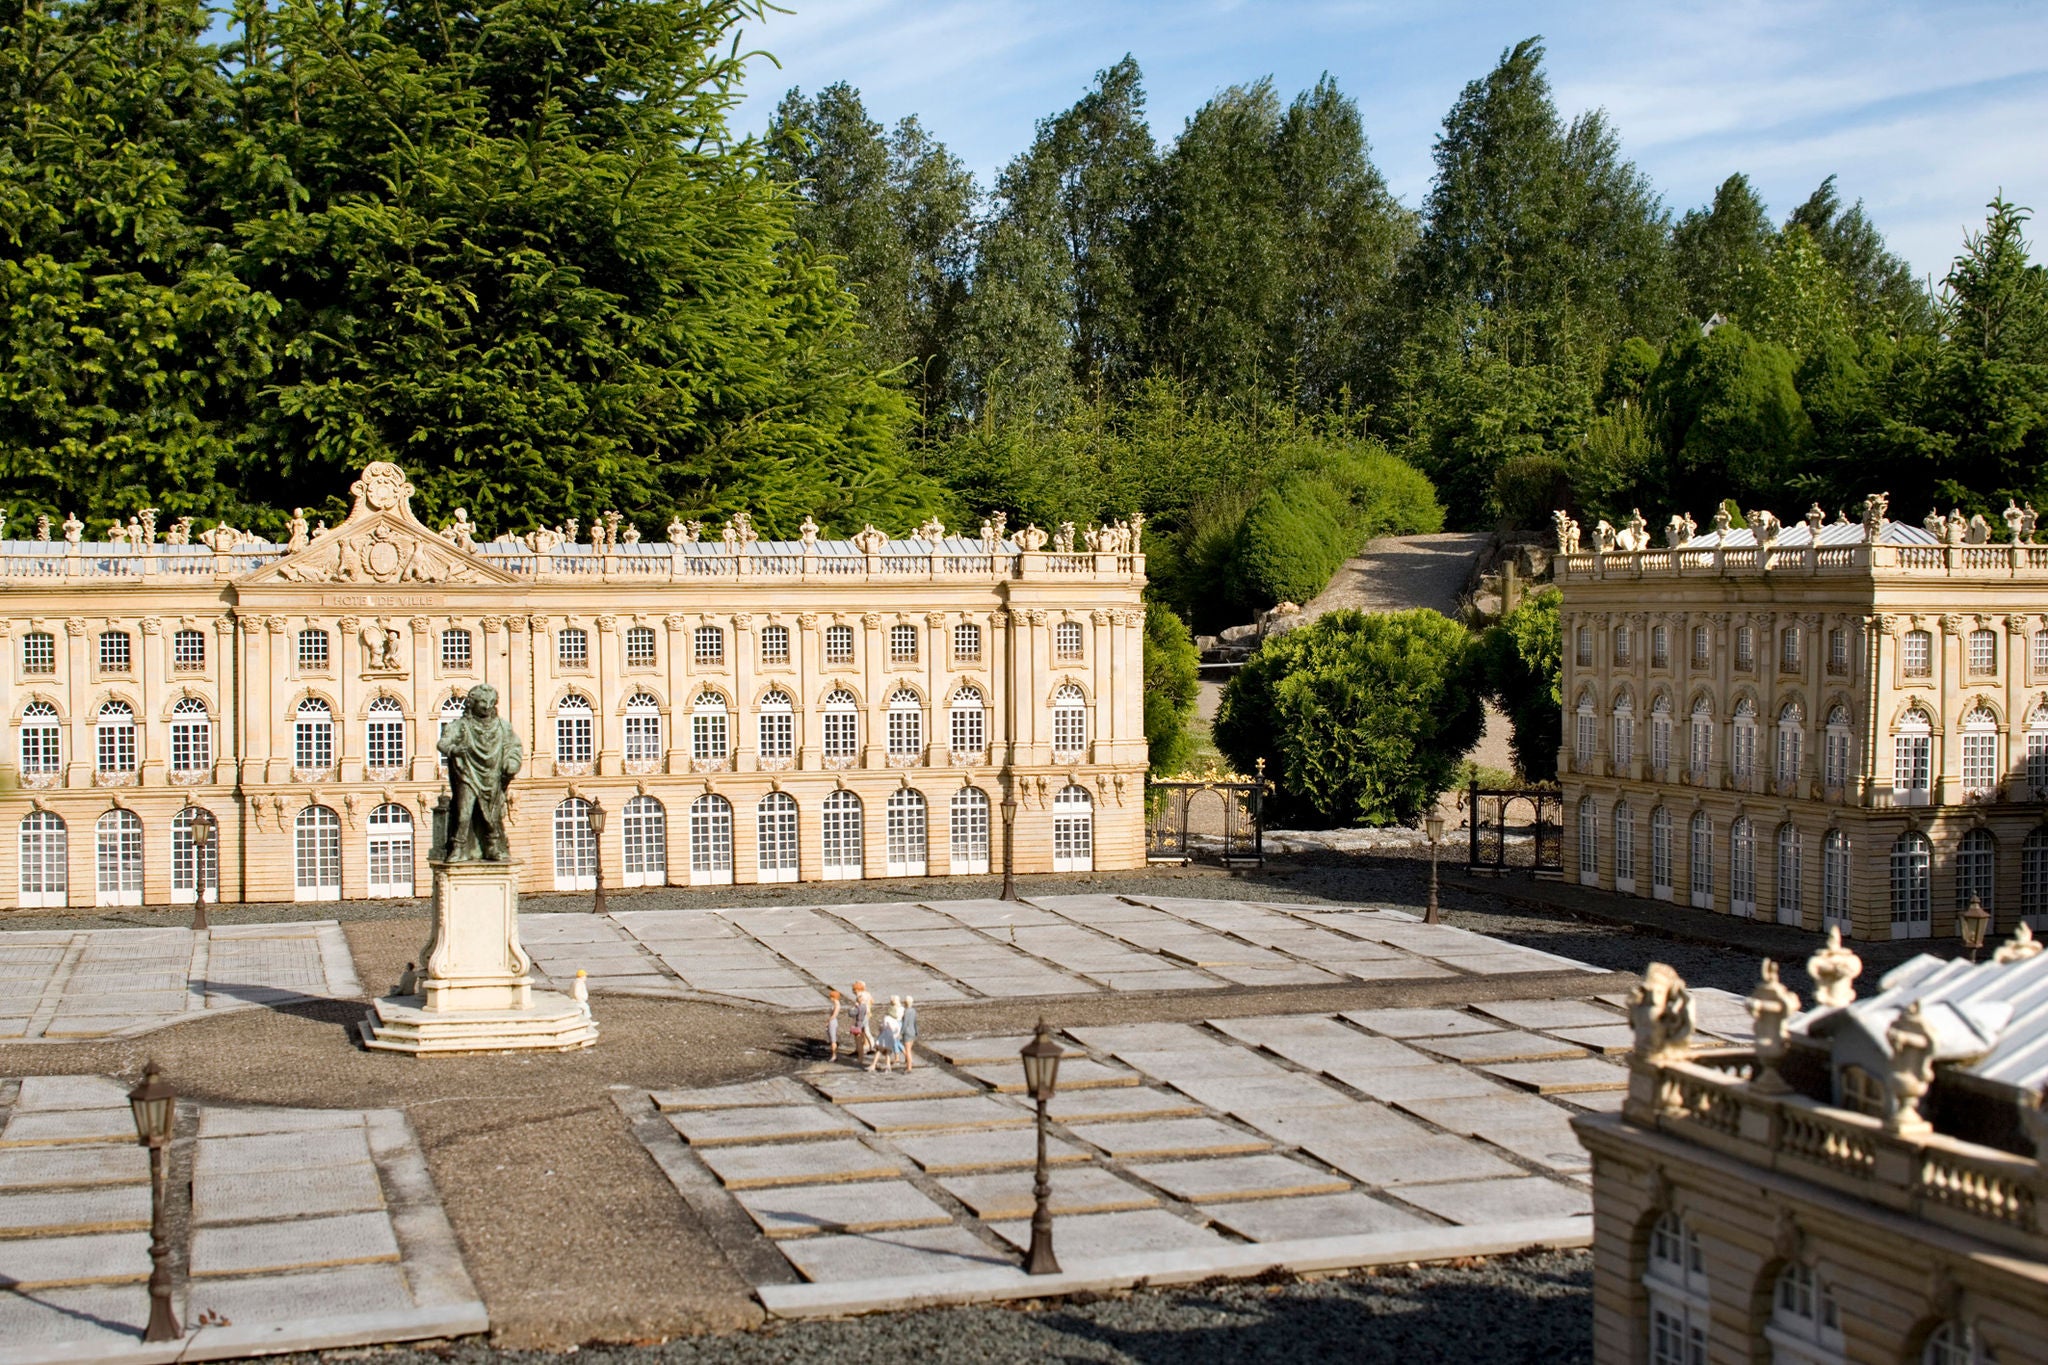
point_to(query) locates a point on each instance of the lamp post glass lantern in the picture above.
(1041, 1074)
(155, 1106)
(1434, 825)
(1974, 922)
(597, 857)
(1009, 809)
(201, 826)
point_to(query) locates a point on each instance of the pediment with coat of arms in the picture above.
(381, 542)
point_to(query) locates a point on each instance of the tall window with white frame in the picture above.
(643, 733)
(906, 835)
(639, 646)
(903, 644)
(1624, 644)
(114, 739)
(1589, 842)
(1675, 1280)
(1976, 869)
(2041, 656)
(1624, 733)
(1791, 745)
(41, 740)
(1073, 830)
(775, 838)
(1583, 646)
(841, 714)
(1742, 867)
(839, 837)
(839, 644)
(967, 643)
(710, 840)
(1745, 649)
(1835, 770)
(1912, 759)
(1791, 648)
(1916, 654)
(390, 851)
(1980, 754)
(1983, 653)
(1660, 646)
(315, 656)
(457, 649)
(117, 653)
(1702, 861)
(42, 860)
(1660, 736)
(1660, 853)
(707, 646)
(777, 727)
(1585, 734)
(2037, 753)
(572, 647)
(1069, 724)
(575, 737)
(1912, 885)
(316, 854)
(1838, 651)
(968, 722)
(1742, 743)
(1805, 1327)
(384, 737)
(1066, 641)
(575, 846)
(2034, 878)
(1834, 880)
(195, 863)
(710, 732)
(1700, 740)
(1624, 847)
(1702, 646)
(774, 645)
(1791, 871)
(38, 653)
(906, 725)
(188, 651)
(191, 739)
(117, 855)
(643, 834)
(969, 841)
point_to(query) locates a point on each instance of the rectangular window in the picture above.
(1621, 645)
(1660, 851)
(1742, 761)
(2037, 762)
(188, 651)
(1837, 758)
(1584, 649)
(903, 644)
(39, 653)
(707, 645)
(313, 745)
(1789, 648)
(1983, 651)
(778, 734)
(572, 738)
(1702, 646)
(640, 646)
(1067, 641)
(967, 644)
(775, 644)
(384, 746)
(1916, 654)
(969, 730)
(1909, 763)
(572, 648)
(1745, 648)
(1660, 647)
(115, 652)
(313, 651)
(839, 644)
(1702, 741)
(1660, 743)
(2040, 654)
(842, 731)
(643, 736)
(191, 745)
(455, 649)
(1980, 761)
(1838, 651)
(707, 734)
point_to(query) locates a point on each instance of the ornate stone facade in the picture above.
(1817, 723)
(741, 710)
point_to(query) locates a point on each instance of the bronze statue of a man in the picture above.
(483, 753)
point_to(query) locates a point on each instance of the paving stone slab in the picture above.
(116, 1208)
(1421, 1023)
(970, 1111)
(1142, 1037)
(1119, 1102)
(1610, 1040)
(1318, 1215)
(851, 1084)
(32, 1263)
(1300, 974)
(1088, 1236)
(1359, 1121)
(1549, 1015)
(865, 1206)
(1076, 1073)
(294, 1244)
(797, 1163)
(1510, 963)
(1267, 1175)
(1209, 1061)
(1419, 1161)
(971, 1051)
(1512, 1046)
(1595, 1101)
(347, 1290)
(1249, 1095)
(1557, 1078)
(1168, 1137)
(1478, 1116)
(32, 1167)
(909, 1254)
(1555, 1149)
(941, 1153)
(1075, 1190)
(262, 1153)
(1440, 1079)
(244, 1197)
(1476, 1202)
(713, 1127)
(71, 1092)
(1135, 982)
(223, 1123)
(36, 1128)
(773, 1090)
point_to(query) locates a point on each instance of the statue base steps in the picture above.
(552, 1023)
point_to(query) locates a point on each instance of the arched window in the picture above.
(1791, 868)
(842, 726)
(114, 738)
(840, 837)
(1956, 1343)
(970, 831)
(709, 735)
(1742, 742)
(1702, 861)
(575, 847)
(1589, 842)
(451, 711)
(1660, 852)
(1912, 750)
(195, 863)
(1624, 847)
(1834, 880)
(384, 740)
(1701, 739)
(1660, 736)
(313, 737)
(41, 738)
(643, 830)
(44, 855)
(904, 820)
(1073, 831)
(2034, 879)
(117, 854)
(1976, 866)
(1912, 901)
(1916, 654)
(1791, 744)
(906, 724)
(969, 722)
(1069, 723)
(643, 732)
(191, 737)
(710, 840)
(1742, 867)
(775, 838)
(1836, 775)
(777, 727)
(2037, 753)
(1980, 752)
(1624, 732)
(390, 835)
(1805, 1327)
(1675, 1279)
(574, 734)
(316, 855)
(1583, 737)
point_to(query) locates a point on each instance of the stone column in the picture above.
(745, 654)
(874, 753)
(1948, 748)
(540, 657)
(420, 754)
(809, 681)
(610, 755)
(938, 658)
(151, 737)
(678, 759)
(275, 723)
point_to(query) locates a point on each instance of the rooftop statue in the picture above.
(484, 754)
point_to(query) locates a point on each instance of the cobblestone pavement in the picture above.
(305, 1227)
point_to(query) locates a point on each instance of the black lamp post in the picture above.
(1435, 825)
(597, 855)
(1041, 1073)
(201, 826)
(1009, 842)
(156, 1109)
(1975, 921)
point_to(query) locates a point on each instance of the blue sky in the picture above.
(1923, 110)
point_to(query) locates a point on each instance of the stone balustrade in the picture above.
(1860, 560)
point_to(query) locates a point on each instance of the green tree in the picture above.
(1172, 682)
(1361, 719)
(1883, 295)
(1718, 250)
(1521, 659)
(1730, 415)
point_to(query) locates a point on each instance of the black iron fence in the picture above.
(1515, 829)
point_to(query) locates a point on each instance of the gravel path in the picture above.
(1396, 573)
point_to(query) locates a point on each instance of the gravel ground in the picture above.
(1507, 1311)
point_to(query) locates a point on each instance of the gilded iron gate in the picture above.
(1497, 813)
(1217, 815)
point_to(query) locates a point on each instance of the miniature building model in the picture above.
(258, 722)
(1820, 724)
(1864, 1184)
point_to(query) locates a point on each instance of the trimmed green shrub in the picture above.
(1288, 545)
(1520, 658)
(1171, 684)
(1361, 719)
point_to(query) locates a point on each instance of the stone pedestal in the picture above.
(476, 988)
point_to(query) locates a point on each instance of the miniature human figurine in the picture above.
(483, 753)
(888, 1038)
(863, 1007)
(908, 1032)
(832, 1028)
